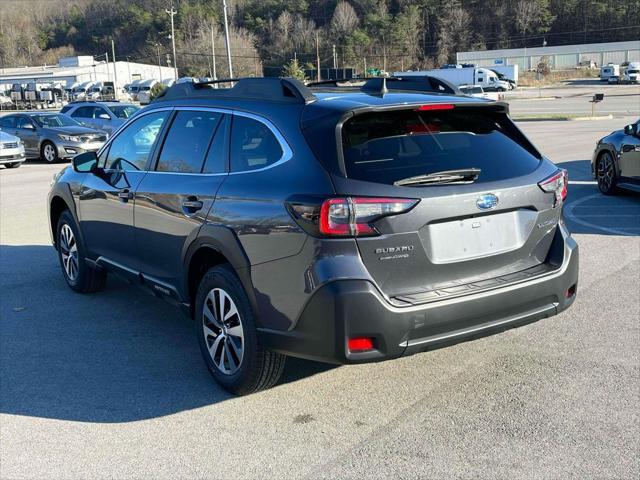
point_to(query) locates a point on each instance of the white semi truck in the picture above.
(484, 77)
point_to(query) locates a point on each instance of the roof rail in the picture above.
(422, 83)
(274, 89)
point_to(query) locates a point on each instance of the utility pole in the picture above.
(318, 57)
(213, 55)
(106, 55)
(335, 58)
(159, 65)
(172, 13)
(226, 37)
(115, 70)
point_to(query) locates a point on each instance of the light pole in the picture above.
(172, 13)
(226, 37)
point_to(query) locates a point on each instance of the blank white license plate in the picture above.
(479, 237)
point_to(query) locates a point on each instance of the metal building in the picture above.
(562, 57)
(83, 69)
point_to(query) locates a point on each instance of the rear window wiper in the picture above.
(464, 175)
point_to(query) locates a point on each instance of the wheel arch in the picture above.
(216, 245)
(610, 149)
(60, 200)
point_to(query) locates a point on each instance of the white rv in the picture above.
(632, 73)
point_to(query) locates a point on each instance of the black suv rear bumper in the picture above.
(355, 308)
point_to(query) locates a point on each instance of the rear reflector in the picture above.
(353, 216)
(557, 184)
(571, 291)
(360, 344)
(435, 106)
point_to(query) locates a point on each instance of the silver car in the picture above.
(11, 150)
(52, 136)
(107, 116)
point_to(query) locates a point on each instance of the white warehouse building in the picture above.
(562, 57)
(80, 69)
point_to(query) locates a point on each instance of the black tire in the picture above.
(86, 279)
(258, 367)
(50, 158)
(13, 165)
(606, 174)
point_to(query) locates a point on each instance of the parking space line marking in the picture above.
(569, 214)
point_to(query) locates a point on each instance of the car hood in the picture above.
(6, 137)
(73, 130)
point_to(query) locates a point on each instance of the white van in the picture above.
(632, 73)
(610, 70)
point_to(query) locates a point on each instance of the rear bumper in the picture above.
(355, 308)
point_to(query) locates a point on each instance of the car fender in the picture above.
(63, 191)
(224, 241)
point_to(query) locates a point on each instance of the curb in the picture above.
(563, 119)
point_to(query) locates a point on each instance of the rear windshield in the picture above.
(384, 147)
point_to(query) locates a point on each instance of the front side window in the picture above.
(24, 122)
(131, 149)
(188, 141)
(253, 145)
(124, 111)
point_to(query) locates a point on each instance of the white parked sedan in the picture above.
(11, 150)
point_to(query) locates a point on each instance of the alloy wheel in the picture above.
(69, 252)
(605, 172)
(222, 329)
(49, 152)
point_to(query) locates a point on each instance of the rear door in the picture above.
(173, 200)
(458, 233)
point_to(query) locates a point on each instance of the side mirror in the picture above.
(29, 126)
(631, 129)
(85, 162)
(104, 116)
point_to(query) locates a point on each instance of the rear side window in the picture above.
(8, 122)
(253, 145)
(187, 142)
(384, 147)
(65, 109)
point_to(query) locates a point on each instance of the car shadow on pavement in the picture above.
(119, 355)
(589, 211)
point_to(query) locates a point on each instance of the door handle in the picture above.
(192, 204)
(125, 195)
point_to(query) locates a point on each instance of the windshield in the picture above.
(124, 111)
(384, 147)
(54, 121)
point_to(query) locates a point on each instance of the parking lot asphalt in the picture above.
(111, 385)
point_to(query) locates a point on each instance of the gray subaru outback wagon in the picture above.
(338, 222)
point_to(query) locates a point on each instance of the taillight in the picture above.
(353, 216)
(557, 184)
(360, 344)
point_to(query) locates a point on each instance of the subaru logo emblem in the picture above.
(487, 201)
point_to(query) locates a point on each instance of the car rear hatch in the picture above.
(485, 219)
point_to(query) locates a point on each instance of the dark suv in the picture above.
(340, 224)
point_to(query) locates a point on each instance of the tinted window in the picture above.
(253, 146)
(131, 149)
(23, 122)
(217, 156)
(97, 111)
(83, 112)
(187, 142)
(390, 146)
(65, 109)
(123, 111)
(8, 122)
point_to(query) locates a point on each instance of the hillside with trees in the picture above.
(387, 34)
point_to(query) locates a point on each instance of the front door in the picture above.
(173, 199)
(106, 199)
(630, 155)
(26, 131)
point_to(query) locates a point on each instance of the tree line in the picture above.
(383, 34)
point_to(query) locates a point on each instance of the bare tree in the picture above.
(344, 20)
